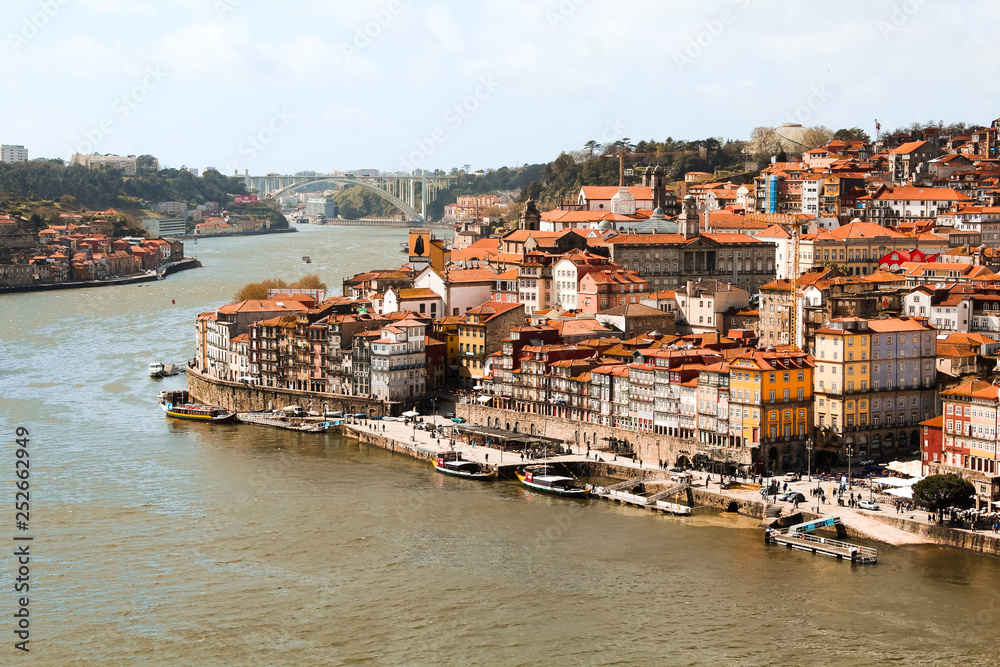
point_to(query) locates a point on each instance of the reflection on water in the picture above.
(167, 542)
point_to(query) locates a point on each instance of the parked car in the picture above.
(449, 415)
(729, 484)
(867, 505)
(676, 469)
(791, 477)
(795, 497)
(458, 420)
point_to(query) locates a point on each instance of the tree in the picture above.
(258, 291)
(852, 134)
(815, 136)
(591, 146)
(310, 281)
(145, 164)
(939, 492)
(764, 142)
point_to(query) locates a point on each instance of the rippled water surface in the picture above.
(162, 542)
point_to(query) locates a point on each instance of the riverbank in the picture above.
(150, 276)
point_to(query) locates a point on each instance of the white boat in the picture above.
(157, 369)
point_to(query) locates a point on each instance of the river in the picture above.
(161, 542)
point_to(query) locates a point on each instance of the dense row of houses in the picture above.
(78, 252)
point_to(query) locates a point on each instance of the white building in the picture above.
(945, 311)
(399, 362)
(13, 153)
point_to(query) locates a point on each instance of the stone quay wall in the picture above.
(980, 542)
(648, 447)
(247, 397)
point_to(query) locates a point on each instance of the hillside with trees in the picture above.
(110, 188)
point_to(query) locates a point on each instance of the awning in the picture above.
(905, 492)
(484, 399)
(896, 481)
(411, 413)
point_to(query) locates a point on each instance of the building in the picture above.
(165, 226)
(13, 153)
(126, 164)
(969, 446)
(858, 246)
(174, 208)
(669, 260)
(875, 383)
(321, 207)
(480, 336)
(770, 409)
(399, 362)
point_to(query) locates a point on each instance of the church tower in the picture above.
(531, 219)
(687, 223)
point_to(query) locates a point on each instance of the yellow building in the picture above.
(843, 382)
(770, 395)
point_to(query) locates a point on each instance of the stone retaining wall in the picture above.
(980, 542)
(649, 447)
(247, 398)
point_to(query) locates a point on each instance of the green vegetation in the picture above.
(102, 189)
(356, 202)
(939, 492)
(259, 290)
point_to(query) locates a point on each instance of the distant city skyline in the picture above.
(396, 85)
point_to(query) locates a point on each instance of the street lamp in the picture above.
(809, 451)
(850, 453)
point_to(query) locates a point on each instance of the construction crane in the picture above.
(794, 231)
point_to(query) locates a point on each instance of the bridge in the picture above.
(403, 191)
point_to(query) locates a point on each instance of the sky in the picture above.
(399, 85)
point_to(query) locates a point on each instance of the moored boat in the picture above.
(177, 404)
(156, 369)
(539, 478)
(452, 463)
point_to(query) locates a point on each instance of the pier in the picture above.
(799, 537)
(303, 424)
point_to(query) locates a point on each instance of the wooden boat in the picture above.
(538, 478)
(452, 463)
(177, 404)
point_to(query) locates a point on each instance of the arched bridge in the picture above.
(402, 191)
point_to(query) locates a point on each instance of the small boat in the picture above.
(157, 369)
(306, 259)
(537, 477)
(177, 404)
(452, 463)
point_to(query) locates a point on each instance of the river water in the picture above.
(161, 542)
